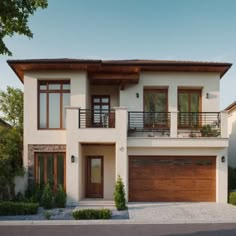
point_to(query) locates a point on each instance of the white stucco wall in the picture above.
(232, 137)
(209, 82)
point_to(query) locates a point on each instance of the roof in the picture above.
(231, 106)
(125, 70)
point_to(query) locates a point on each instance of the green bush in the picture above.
(92, 214)
(47, 197)
(119, 195)
(34, 193)
(231, 178)
(18, 208)
(232, 198)
(60, 197)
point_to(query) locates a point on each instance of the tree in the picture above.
(11, 140)
(11, 105)
(14, 16)
(119, 195)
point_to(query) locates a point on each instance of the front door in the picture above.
(94, 177)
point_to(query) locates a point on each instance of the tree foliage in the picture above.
(11, 105)
(119, 195)
(11, 140)
(14, 15)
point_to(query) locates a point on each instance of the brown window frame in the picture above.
(100, 104)
(47, 91)
(36, 168)
(162, 90)
(190, 91)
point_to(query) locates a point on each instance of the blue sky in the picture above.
(200, 30)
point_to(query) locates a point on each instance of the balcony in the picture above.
(96, 118)
(149, 124)
(177, 124)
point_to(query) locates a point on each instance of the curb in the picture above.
(100, 222)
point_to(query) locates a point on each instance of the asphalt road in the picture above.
(121, 230)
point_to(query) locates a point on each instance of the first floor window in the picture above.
(50, 168)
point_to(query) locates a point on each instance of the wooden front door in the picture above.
(94, 187)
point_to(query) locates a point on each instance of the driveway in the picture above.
(174, 213)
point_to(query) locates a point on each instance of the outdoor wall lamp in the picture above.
(72, 158)
(222, 159)
(207, 95)
(137, 95)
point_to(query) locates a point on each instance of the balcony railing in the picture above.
(199, 124)
(187, 124)
(96, 118)
(153, 123)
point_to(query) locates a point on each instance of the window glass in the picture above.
(183, 102)
(105, 100)
(96, 100)
(155, 101)
(65, 102)
(43, 86)
(96, 171)
(60, 169)
(66, 86)
(41, 169)
(54, 86)
(50, 169)
(42, 111)
(54, 110)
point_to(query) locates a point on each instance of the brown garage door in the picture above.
(167, 179)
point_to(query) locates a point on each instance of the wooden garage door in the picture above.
(167, 179)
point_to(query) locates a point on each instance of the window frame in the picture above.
(55, 176)
(156, 90)
(48, 91)
(190, 91)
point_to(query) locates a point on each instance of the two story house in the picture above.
(155, 123)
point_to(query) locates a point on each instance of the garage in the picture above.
(172, 178)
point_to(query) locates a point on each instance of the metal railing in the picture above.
(156, 123)
(199, 124)
(96, 118)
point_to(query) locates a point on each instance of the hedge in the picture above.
(92, 214)
(18, 208)
(232, 198)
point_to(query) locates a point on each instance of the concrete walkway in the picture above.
(173, 213)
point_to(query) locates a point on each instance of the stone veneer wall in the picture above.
(33, 148)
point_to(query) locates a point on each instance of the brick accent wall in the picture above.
(33, 148)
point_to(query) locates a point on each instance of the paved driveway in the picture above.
(172, 213)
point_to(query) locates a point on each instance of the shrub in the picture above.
(47, 215)
(232, 198)
(18, 208)
(92, 214)
(33, 193)
(60, 197)
(19, 197)
(119, 195)
(47, 197)
(231, 178)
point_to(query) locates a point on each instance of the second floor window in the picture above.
(53, 96)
